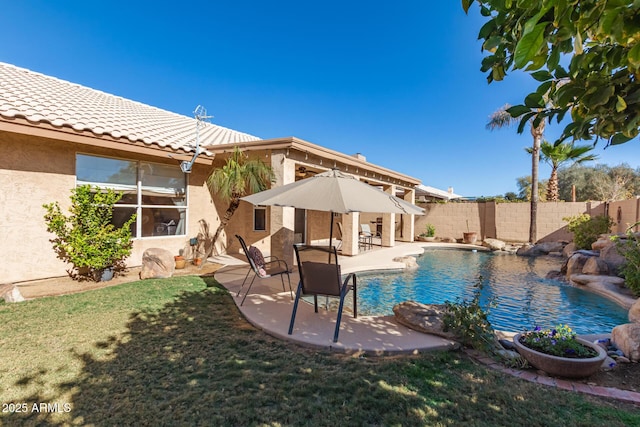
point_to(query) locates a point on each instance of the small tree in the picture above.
(238, 177)
(86, 238)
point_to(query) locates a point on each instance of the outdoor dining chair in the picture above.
(263, 269)
(366, 236)
(321, 278)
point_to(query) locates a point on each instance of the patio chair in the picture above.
(321, 278)
(366, 236)
(262, 268)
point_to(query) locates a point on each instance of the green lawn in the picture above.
(178, 352)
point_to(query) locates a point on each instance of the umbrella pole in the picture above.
(331, 235)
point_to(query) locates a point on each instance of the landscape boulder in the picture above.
(575, 264)
(603, 241)
(595, 266)
(157, 263)
(408, 261)
(426, 318)
(543, 248)
(494, 244)
(634, 312)
(627, 338)
(11, 293)
(569, 249)
(613, 258)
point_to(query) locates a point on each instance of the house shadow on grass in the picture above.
(196, 361)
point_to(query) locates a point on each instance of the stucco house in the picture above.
(55, 135)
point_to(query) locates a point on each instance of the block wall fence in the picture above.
(510, 221)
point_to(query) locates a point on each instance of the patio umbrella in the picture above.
(335, 192)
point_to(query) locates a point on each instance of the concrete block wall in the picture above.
(510, 221)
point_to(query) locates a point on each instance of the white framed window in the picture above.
(259, 218)
(156, 192)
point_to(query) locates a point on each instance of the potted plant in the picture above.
(560, 352)
(87, 238)
(429, 234)
(469, 236)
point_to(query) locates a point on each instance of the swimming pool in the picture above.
(524, 297)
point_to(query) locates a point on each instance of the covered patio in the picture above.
(293, 159)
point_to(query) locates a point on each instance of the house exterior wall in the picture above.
(510, 221)
(34, 171)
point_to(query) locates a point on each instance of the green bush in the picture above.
(586, 228)
(86, 237)
(468, 321)
(630, 249)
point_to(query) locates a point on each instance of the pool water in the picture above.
(523, 296)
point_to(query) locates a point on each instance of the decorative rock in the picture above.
(157, 263)
(608, 364)
(568, 250)
(555, 275)
(426, 318)
(448, 240)
(622, 359)
(409, 262)
(594, 265)
(541, 249)
(602, 242)
(612, 257)
(11, 293)
(576, 263)
(634, 312)
(494, 244)
(627, 338)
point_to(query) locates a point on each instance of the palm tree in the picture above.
(237, 178)
(558, 154)
(501, 118)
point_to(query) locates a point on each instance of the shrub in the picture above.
(469, 321)
(586, 228)
(630, 270)
(86, 237)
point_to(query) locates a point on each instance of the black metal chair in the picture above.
(321, 278)
(263, 269)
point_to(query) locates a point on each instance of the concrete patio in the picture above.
(269, 308)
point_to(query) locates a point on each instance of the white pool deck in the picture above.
(268, 308)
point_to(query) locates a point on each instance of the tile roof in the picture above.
(44, 99)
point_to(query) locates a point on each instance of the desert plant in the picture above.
(586, 228)
(86, 238)
(430, 231)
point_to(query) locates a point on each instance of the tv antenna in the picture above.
(200, 114)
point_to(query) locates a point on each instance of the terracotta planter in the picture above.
(562, 366)
(197, 261)
(180, 261)
(470, 237)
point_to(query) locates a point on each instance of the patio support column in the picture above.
(282, 221)
(408, 221)
(389, 222)
(350, 233)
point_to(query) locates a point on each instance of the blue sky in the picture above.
(397, 82)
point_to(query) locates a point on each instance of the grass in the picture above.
(178, 352)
